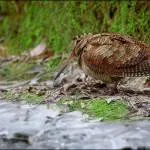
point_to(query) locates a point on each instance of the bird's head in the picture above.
(77, 45)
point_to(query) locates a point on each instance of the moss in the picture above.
(27, 97)
(99, 108)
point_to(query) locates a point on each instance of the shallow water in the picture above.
(35, 126)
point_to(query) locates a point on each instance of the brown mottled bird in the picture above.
(110, 57)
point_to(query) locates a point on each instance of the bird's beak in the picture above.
(65, 65)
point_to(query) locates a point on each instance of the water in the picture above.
(35, 126)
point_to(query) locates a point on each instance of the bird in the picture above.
(110, 57)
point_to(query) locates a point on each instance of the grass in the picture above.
(52, 64)
(15, 71)
(99, 108)
(19, 71)
(25, 24)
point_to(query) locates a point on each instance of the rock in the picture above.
(134, 84)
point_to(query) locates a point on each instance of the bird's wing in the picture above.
(116, 55)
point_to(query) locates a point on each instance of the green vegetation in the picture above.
(15, 71)
(52, 65)
(25, 24)
(98, 108)
(27, 97)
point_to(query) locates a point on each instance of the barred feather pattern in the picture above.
(108, 55)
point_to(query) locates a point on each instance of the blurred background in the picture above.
(24, 24)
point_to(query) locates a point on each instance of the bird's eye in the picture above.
(77, 41)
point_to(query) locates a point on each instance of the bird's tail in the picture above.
(139, 70)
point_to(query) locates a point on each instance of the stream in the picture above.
(37, 126)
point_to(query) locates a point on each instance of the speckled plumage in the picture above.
(110, 57)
